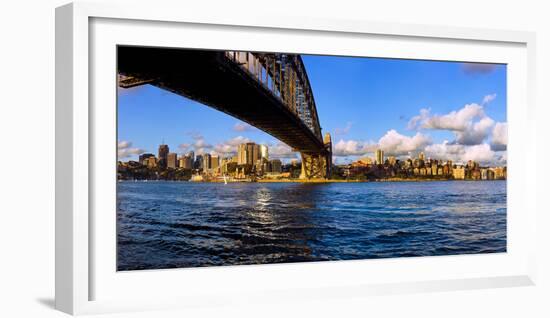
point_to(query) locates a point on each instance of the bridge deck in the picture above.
(209, 77)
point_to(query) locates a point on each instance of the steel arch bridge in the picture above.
(270, 91)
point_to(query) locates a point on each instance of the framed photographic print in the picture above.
(203, 159)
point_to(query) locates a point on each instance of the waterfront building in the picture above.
(499, 173)
(163, 155)
(150, 162)
(365, 160)
(421, 156)
(172, 160)
(459, 173)
(483, 174)
(266, 167)
(264, 153)
(191, 154)
(276, 166)
(198, 163)
(249, 153)
(186, 162)
(206, 162)
(189, 159)
(144, 156)
(215, 163)
(392, 160)
(379, 156)
(241, 154)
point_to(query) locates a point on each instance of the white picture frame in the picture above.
(85, 280)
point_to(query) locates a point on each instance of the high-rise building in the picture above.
(248, 153)
(144, 156)
(163, 155)
(379, 156)
(214, 162)
(172, 161)
(392, 160)
(206, 161)
(276, 166)
(186, 162)
(264, 154)
(198, 163)
(241, 154)
(191, 155)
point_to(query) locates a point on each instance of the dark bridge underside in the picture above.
(210, 78)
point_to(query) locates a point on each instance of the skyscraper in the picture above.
(276, 166)
(206, 161)
(241, 154)
(172, 161)
(163, 155)
(214, 162)
(185, 162)
(264, 154)
(379, 156)
(198, 163)
(248, 153)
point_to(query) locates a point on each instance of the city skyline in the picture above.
(252, 163)
(444, 109)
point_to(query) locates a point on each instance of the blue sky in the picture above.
(445, 109)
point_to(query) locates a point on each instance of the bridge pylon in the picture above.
(317, 165)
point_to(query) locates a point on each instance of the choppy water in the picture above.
(185, 224)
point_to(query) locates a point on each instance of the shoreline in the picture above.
(314, 181)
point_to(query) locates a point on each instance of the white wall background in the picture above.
(27, 159)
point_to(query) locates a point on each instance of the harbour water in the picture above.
(186, 224)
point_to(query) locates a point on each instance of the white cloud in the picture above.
(199, 145)
(455, 120)
(280, 150)
(476, 132)
(418, 120)
(229, 147)
(470, 124)
(343, 131)
(125, 149)
(489, 98)
(481, 153)
(241, 127)
(345, 148)
(396, 144)
(392, 143)
(499, 137)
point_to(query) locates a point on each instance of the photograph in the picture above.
(228, 157)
